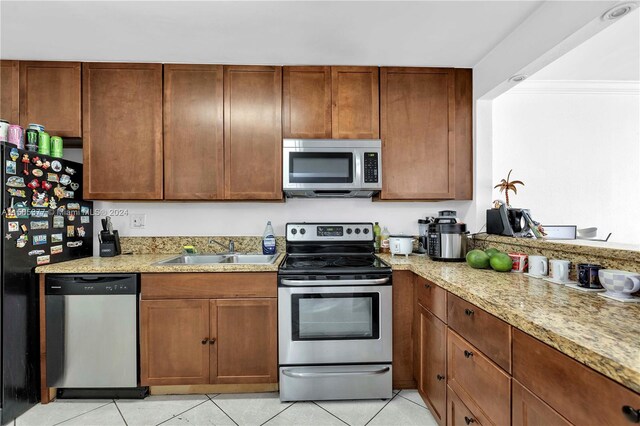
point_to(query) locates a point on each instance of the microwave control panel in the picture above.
(371, 167)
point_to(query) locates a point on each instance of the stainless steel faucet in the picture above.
(231, 249)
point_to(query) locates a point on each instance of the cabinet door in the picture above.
(174, 345)
(306, 102)
(122, 131)
(458, 413)
(9, 91)
(193, 132)
(253, 132)
(402, 330)
(355, 103)
(432, 383)
(417, 122)
(464, 134)
(529, 410)
(245, 347)
(50, 95)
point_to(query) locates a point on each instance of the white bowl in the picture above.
(621, 282)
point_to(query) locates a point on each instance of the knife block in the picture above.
(109, 244)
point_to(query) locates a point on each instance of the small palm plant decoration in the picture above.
(506, 185)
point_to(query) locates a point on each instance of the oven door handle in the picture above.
(315, 283)
(335, 373)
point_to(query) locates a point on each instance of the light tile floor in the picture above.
(405, 408)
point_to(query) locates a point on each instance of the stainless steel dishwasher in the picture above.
(91, 329)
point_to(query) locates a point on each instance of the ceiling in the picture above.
(431, 33)
(613, 54)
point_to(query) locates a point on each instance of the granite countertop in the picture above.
(601, 333)
(137, 263)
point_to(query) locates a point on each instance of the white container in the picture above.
(401, 244)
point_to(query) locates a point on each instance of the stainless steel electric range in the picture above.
(334, 313)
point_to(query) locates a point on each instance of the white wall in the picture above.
(579, 156)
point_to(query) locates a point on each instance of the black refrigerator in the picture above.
(44, 220)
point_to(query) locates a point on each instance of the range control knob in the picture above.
(357, 230)
(303, 231)
(365, 230)
(349, 231)
(294, 231)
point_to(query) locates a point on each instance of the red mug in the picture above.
(519, 262)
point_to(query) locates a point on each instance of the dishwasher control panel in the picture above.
(104, 284)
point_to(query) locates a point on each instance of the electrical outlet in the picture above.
(138, 220)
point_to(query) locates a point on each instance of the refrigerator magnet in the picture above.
(71, 231)
(56, 249)
(43, 260)
(45, 185)
(70, 171)
(56, 238)
(85, 210)
(36, 252)
(39, 240)
(16, 182)
(73, 206)
(39, 199)
(39, 224)
(72, 244)
(65, 180)
(37, 172)
(14, 154)
(56, 166)
(52, 204)
(13, 226)
(22, 211)
(24, 228)
(10, 167)
(25, 164)
(85, 219)
(74, 186)
(8, 236)
(71, 216)
(80, 231)
(52, 177)
(35, 183)
(20, 193)
(22, 241)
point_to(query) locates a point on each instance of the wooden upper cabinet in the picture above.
(355, 103)
(463, 134)
(193, 132)
(417, 122)
(50, 94)
(9, 91)
(306, 102)
(253, 132)
(122, 131)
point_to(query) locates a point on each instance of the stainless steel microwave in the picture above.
(336, 168)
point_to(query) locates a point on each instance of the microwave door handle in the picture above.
(310, 283)
(296, 374)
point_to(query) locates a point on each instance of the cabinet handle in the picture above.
(212, 341)
(469, 420)
(468, 312)
(427, 286)
(631, 414)
(468, 354)
(440, 377)
(205, 340)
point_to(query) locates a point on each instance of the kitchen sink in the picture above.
(214, 259)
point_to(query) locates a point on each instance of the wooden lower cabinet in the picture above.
(245, 348)
(173, 345)
(201, 341)
(529, 410)
(432, 361)
(403, 306)
(457, 413)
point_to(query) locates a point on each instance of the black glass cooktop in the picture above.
(302, 262)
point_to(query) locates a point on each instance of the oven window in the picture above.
(335, 316)
(318, 167)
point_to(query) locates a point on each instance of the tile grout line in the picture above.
(280, 412)
(220, 408)
(385, 405)
(422, 406)
(182, 412)
(121, 415)
(87, 412)
(318, 405)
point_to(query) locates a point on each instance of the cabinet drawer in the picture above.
(580, 394)
(457, 413)
(486, 332)
(528, 409)
(479, 383)
(432, 297)
(209, 285)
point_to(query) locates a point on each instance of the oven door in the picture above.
(333, 325)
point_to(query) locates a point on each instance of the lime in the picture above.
(501, 262)
(491, 251)
(478, 259)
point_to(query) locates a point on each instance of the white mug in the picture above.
(538, 266)
(559, 269)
